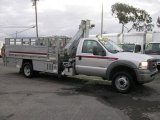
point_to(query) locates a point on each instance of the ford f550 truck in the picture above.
(82, 55)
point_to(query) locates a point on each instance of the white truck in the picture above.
(82, 55)
(131, 42)
(153, 48)
(137, 41)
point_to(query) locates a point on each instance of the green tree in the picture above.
(140, 19)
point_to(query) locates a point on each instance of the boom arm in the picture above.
(83, 32)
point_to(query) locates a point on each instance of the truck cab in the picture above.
(99, 57)
(153, 49)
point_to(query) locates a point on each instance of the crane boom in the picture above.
(83, 32)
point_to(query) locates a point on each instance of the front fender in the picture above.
(120, 63)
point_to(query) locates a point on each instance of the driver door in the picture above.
(91, 64)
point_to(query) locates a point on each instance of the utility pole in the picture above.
(35, 4)
(102, 21)
(16, 34)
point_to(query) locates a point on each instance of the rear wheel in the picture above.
(28, 70)
(122, 82)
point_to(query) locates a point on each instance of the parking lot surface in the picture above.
(45, 97)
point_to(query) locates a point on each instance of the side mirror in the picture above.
(103, 53)
(95, 50)
(100, 52)
(137, 48)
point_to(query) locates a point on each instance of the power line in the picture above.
(18, 32)
(2, 26)
(22, 30)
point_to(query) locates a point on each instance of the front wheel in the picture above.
(122, 82)
(28, 70)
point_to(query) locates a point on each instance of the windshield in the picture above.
(111, 46)
(128, 47)
(152, 48)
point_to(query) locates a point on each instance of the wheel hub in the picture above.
(122, 83)
(27, 70)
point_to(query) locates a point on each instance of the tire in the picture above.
(28, 70)
(122, 82)
(140, 84)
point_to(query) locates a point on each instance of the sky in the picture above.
(62, 17)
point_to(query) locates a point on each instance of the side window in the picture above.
(89, 45)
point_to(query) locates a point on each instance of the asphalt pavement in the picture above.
(46, 97)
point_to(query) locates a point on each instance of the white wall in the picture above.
(156, 36)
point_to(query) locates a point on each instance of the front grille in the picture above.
(152, 64)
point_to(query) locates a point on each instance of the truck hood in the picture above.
(155, 56)
(132, 56)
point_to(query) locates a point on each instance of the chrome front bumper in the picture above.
(145, 76)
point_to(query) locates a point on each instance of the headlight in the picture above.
(143, 65)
